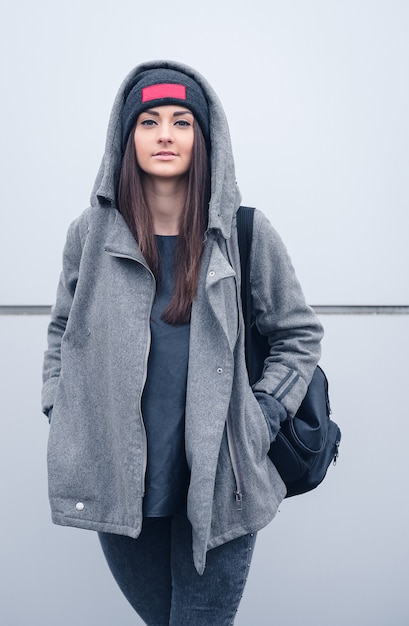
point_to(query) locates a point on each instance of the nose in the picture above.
(165, 134)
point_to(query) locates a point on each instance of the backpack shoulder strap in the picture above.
(245, 219)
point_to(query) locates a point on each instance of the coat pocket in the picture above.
(256, 431)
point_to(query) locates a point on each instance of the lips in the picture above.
(165, 153)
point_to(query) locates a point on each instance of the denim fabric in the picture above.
(157, 575)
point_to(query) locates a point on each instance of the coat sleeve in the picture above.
(60, 311)
(282, 314)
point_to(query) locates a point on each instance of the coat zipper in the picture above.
(145, 373)
(144, 437)
(238, 494)
(234, 456)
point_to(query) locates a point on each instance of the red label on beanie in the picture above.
(165, 90)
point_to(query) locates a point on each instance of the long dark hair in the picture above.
(134, 209)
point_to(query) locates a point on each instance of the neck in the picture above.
(166, 201)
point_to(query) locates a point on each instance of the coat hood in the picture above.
(225, 195)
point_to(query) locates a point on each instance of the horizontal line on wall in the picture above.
(321, 309)
(25, 309)
(361, 309)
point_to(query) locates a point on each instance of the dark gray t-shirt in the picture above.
(163, 400)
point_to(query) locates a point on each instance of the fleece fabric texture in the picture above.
(98, 346)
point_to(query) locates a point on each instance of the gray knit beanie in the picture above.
(164, 86)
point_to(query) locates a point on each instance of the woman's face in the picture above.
(164, 141)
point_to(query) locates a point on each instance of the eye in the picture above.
(183, 123)
(148, 122)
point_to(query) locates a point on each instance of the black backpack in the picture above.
(307, 443)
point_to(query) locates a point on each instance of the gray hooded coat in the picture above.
(98, 346)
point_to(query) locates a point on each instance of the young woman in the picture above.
(157, 440)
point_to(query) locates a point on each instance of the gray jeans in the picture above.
(157, 576)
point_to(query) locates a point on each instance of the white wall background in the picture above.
(317, 96)
(337, 556)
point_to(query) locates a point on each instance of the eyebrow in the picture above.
(176, 113)
(183, 113)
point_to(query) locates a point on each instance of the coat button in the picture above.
(219, 370)
(79, 506)
(212, 273)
